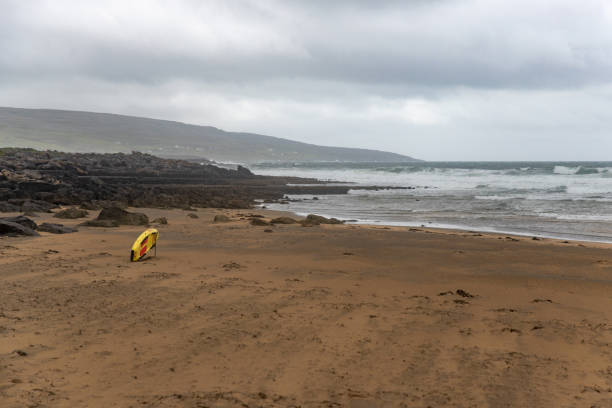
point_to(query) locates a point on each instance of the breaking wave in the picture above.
(565, 199)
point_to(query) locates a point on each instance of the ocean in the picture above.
(568, 200)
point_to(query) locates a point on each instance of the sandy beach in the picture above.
(235, 315)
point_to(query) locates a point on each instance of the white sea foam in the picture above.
(569, 199)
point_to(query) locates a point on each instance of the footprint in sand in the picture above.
(231, 265)
(510, 330)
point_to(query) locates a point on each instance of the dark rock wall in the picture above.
(33, 180)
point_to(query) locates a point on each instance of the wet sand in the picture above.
(228, 315)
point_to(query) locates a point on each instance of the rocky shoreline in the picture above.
(38, 181)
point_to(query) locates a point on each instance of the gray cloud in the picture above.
(445, 43)
(441, 79)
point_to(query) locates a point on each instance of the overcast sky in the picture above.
(434, 79)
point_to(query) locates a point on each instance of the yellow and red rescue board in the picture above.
(144, 243)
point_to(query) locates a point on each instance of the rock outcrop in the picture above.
(14, 229)
(312, 220)
(71, 213)
(39, 181)
(100, 223)
(21, 225)
(283, 220)
(21, 220)
(122, 217)
(56, 228)
(258, 222)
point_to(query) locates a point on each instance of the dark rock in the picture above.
(14, 229)
(100, 223)
(56, 228)
(268, 230)
(21, 220)
(32, 187)
(122, 217)
(221, 218)
(463, 293)
(41, 180)
(309, 223)
(37, 206)
(312, 219)
(243, 171)
(283, 220)
(161, 220)
(541, 301)
(8, 207)
(232, 265)
(110, 203)
(510, 330)
(258, 222)
(88, 205)
(71, 213)
(192, 215)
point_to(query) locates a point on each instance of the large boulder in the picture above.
(221, 218)
(72, 213)
(312, 220)
(258, 222)
(283, 220)
(21, 220)
(14, 229)
(100, 223)
(88, 205)
(122, 217)
(55, 228)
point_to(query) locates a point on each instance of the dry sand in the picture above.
(228, 315)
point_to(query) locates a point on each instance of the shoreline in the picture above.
(449, 228)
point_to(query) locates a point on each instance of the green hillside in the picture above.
(104, 133)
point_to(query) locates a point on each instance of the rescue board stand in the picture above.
(143, 244)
